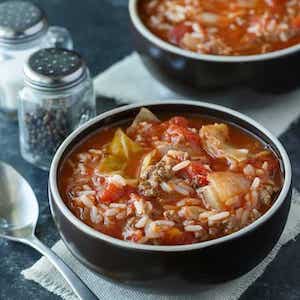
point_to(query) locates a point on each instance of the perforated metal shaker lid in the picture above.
(20, 22)
(54, 68)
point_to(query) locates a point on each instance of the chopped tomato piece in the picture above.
(112, 193)
(196, 168)
(202, 179)
(192, 137)
(180, 121)
(176, 34)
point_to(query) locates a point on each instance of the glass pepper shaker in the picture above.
(24, 29)
(57, 97)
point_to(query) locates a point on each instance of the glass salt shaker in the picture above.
(24, 29)
(57, 97)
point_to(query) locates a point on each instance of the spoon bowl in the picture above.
(19, 212)
(18, 205)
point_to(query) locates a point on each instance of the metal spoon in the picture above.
(18, 217)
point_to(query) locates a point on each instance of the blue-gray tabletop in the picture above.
(100, 29)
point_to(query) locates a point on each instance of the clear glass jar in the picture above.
(23, 30)
(57, 97)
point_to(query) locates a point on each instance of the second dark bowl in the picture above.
(212, 261)
(191, 73)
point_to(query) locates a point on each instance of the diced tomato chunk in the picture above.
(176, 33)
(202, 180)
(192, 137)
(112, 193)
(196, 170)
(180, 121)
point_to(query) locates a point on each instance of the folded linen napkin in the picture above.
(128, 81)
(121, 83)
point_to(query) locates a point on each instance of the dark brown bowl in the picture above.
(191, 73)
(212, 261)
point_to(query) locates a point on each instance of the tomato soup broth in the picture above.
(178, 180)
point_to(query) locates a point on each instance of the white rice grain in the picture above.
(193, 228)
(142, 222)
(204, 215)
(117, 205)
(181, 190)
(255, 184)
(87, 193)
(181, 165)
(95, 216)
(151, 230)
(139, 207)
(111, 212)
(181, 203)
(166, 187)
(86, 200)
(164, 223)
(218, 217)
(249, 170)
(117, 180)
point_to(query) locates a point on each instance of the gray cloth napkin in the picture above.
(129, 82)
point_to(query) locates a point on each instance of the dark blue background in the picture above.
(100, 29)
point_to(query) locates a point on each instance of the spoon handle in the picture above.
(79, 288)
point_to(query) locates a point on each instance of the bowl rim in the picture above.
(80, 225)
(145, 32)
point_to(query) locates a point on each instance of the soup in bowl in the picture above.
(221, 27)
(145, 191)
(199, 46)
(170, 181)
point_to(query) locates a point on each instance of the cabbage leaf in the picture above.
(119, 152)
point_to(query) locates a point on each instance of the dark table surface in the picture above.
(101, 34)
